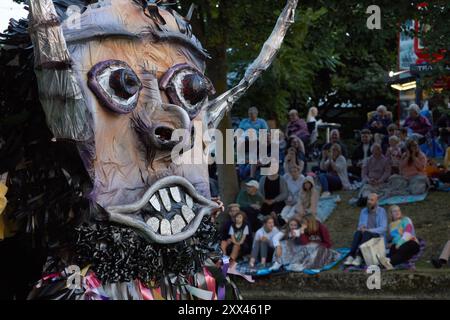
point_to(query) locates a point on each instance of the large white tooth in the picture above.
(175, 192)
(188, 214)
(153, 222)
(155, 203)
(189, 201)
(165, 199)
(165, 228)
(177, 224)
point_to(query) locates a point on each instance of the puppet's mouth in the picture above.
(170, 211)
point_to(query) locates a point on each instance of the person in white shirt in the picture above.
(263, 242)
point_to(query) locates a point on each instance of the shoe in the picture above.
(385, 262)
(438, 263)
(275, 266)
(357, 261)
(349, 261)
(325, 194)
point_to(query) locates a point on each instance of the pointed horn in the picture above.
(217, 108)
(190, 12)
(50, 50)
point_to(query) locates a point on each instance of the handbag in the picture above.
(372, 249)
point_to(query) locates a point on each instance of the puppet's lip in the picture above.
(169, 212)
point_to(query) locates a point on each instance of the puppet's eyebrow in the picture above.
(95, 32)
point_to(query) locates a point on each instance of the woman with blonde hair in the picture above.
(313, 112)
(335, 166)
(403, 242)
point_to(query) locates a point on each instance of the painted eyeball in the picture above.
(116, 85)
(186, 87)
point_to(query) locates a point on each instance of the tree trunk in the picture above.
(217, 71)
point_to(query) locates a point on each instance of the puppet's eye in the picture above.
(186, 87)
(116, 85)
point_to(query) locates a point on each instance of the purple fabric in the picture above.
(420, 125)
(221, 293)
(298, 128)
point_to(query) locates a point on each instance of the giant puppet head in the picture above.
(118, 79)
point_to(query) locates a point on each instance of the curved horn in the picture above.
(217, 108)
(50, 50)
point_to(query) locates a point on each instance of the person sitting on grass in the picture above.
(362, 152)
(334, 165)
(419, 125)
(375, 172)
(292, 160)
(263, 242)
(297, 127)
(372, 224)
(225, 220)
(394, 154)
(380, 121)
(306, 248)
(403, 242)
(250, 201)
(391, 130)
(294, 180)
(286, 238)
(274, 190)
(413, 161)
(308, 199)
(238, 243)
(335, 138)
(443, 258)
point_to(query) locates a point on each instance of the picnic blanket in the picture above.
(326, 206)
(403, 199)
(410, 265)
(244, 268)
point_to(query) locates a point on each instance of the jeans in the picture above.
(405, 252)
(330, 182)
(263, 249)
(358, 239)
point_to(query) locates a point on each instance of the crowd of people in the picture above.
(274, 218)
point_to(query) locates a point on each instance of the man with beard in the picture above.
(372, 224)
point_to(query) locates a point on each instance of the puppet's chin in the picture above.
(170, 211)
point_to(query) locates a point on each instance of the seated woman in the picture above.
(308, 199)
(309, 250)
(300, 151)
(274, 190)
(294, 180)
(335, 166)
(313, 112)
(292, 160)
(375, 171)
(413, 161)
(403, 242)
(285, 239)
(263, 242)
(238, 243)
(418, 125)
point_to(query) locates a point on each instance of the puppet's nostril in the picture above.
(163, 134)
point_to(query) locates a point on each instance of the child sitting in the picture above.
(238, 241)
(394, 153)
